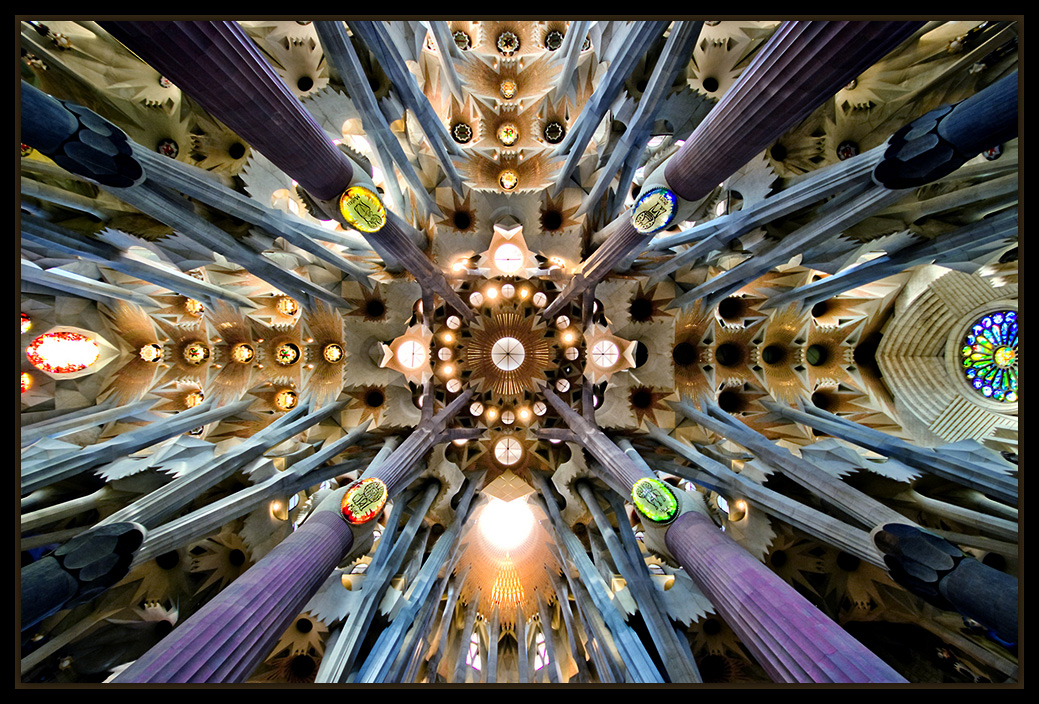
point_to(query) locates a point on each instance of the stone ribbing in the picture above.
(220, 67)
(791, 639)
(803, 64)
(230, 636)
(395, 239)
(623, 471)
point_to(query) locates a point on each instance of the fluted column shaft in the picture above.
(219, 66)
(230, 636)
(791, 639)
(803, 64)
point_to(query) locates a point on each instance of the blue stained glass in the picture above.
(989, 356)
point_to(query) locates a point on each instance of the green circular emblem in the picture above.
(653, 211)
(363, 500)
(654, 500)
(362, 209)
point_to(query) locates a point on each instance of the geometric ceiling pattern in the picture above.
(519, 351)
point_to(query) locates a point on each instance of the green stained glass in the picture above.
(654, 500)
(989, 356)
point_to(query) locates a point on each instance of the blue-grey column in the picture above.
(339, 659)
(673, 58)
(640, 667)
(637, 39)
(48, 470)
(80, 419)
(152, 508)
(714, 475)
(109, 250)
(862, 507)
(77, 139)
(986, 233)
(674, 652)
(994, 478)
(938, 143)
(379, 662)
(375, 36)
(339, 50)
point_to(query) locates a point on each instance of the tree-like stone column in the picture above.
(221, 68)
(800, 66)
(791, 639)
(229, 636)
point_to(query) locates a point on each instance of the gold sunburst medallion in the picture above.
(508, 353)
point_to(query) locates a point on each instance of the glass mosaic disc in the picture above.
(654, 500)
(363, 500)
(989, 356)
(653, 211)
(362, 209)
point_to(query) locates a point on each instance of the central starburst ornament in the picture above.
(508, 353)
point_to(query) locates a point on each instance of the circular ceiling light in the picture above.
(287, 354)
(411, 354)
(508, 354)
(195, 353)
(508, 134)
(508, 257)
(508, 451)
(604, 354)
(508, 43)
(242, 353)
(508, 179)
(332, 352)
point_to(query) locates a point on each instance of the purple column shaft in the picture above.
(219, 66)
(228, 638)
(802, 65)
(791, 639)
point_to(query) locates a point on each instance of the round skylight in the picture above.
(411, 354)
(508, 451)
(508, 257)
(507, 354)
(605, 354)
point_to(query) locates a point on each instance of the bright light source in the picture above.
(506, 524)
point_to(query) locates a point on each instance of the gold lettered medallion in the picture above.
(362, 209)
(363, 500)
(654, 500)
(653, 211)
